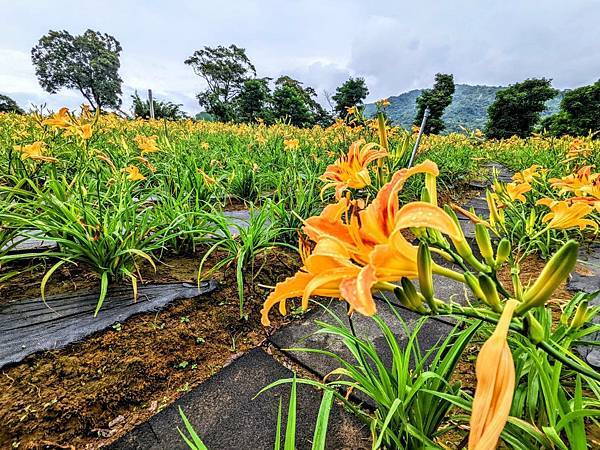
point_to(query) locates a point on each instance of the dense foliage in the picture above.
(162, 109)
(8, 105)
(579, 112)
(225, 69)
(517, 108)
(468, 108)
(89, 63)
(437, 100)
(350, 94)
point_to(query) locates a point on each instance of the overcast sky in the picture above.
(395, 45)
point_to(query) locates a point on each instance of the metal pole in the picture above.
(414, 152)
(151, 103)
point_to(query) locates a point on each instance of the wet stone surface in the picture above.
(588, 281)
(301, 334)
(32, 325)
(225, 414)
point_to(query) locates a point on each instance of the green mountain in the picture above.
(468, 108)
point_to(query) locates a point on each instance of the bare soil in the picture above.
(90, 393)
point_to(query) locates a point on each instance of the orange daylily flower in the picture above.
(351, 110)
(207, 178)
(576, 183)
(528, 175)
(516, 191)
(322, 273)
(364, 246)
(564, 216)
(351, 171)
(34, 151)
(147, 144)
(134, 173)
(495, 373)
(61, 119)
(291, 144)
(578, 149)
(84, 131)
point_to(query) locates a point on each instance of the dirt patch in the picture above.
(92, 392)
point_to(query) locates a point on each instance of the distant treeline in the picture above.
(234, 92)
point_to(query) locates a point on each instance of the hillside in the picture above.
(469, 107)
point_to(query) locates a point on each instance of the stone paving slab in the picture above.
(28, 245)
(479, 204)
(301, 334)
(32, 325)
(226, 416)
(589, 281)
(504, 173)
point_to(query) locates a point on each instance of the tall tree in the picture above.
(437, 99)
(162, 110)
(253, 100)
(298, 104)
(351, 93)
(225, 69)
(517, 108)
(579, 112)
(89, 63)
(8, 105)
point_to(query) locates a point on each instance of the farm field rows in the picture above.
(136, 202)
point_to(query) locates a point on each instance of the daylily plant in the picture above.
(354, 248)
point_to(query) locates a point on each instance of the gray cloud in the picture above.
(395, 45)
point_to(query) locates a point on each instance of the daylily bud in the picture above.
(473, 284)
(495, 373)
(490, 292)
(431, 185)
(436, 237)
(494, 216)
(502, 252)
(464, 250)
(534, 328)
(424, 266)
(531, 222)
(580, 315)
(402, 298)
(412, 295)
(554, 273)
(498, 186)
(484, 242)
(383, 139)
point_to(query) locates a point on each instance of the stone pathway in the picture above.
(226, 415)
(588, 280)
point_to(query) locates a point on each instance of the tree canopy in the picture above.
(253, 101)
(579, 112)
(225, 69)
(8, 105)
(297, 104)
(437, 99)
(517, 108)
(89, 63)
(352, 93)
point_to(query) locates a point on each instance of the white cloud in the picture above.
(395, 45)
